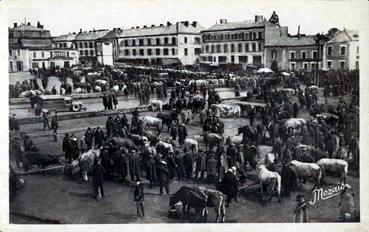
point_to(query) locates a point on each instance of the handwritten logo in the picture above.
(320, 193)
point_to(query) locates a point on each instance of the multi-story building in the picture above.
(293, 52)
(22, 38)
(33, 47)
(163, 44)
(236, 42)
(342, 51)
(107, 47)
(64, 41)
(85, 43)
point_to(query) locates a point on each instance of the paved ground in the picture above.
(94, 104)
(54, 197)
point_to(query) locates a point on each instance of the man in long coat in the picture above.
(134, 165)
(188, 162)
(98, 180)
(182, 133)
(229, 186)
(163, 176)
(211, 169)
(179, 158)
(99, 137)
(89, 137)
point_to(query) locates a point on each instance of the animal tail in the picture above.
(321, 174)
(346, 168)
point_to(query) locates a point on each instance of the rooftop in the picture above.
(224, 25)
(345, 36)
(67, 37)
(184, 27)
(91, 35)
(292, 41)
(27, 27)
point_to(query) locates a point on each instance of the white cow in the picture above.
(272, 179)
(338, 166)
(307, 170)
(157, 104)
(192, 145)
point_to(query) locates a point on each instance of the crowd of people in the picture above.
(130, 152)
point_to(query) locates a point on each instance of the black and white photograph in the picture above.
(146, 112)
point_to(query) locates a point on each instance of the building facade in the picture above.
(292, 53)
(86, 44)
(342, 51)
(53, 57)
(235, 42)
(22, 38)
(163, 44)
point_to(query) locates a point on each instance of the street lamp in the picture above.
(320, 39)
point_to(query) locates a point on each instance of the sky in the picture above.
(61, 17)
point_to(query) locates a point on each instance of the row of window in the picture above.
(233, 36)
(87, 53)
(304, 55)
(84, 45)
(305, 65)
(151, 52)
(156, 41)
(56, 54)
(60, 45)
(218, 48)
(342, 50)
(11, 52)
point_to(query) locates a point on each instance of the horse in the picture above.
(307, 170)
(87, 161)
(272, 180)
(215, 199)
(212, 139)
(190, 199)
(338, 166)
(149, 121)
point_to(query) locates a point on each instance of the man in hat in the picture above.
(89, 135)
(134, 165)
(54, 126)
(45, 120)
(13, 123)
(139, 197)
(66, 147)
(301, 212)
(229, 186)
(98, 179)
(163, 176)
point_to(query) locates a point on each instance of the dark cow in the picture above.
(41, 160)
(166, 118)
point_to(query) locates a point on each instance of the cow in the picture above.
(156, 104)
(87, 161)
(41, 160)
(149, 121)
(307, 170)
(164, 147)
(338, 166)
(295, 123)
(166, 119)
(192, 145)
(272, 180)
(186, 116)
(237, 140)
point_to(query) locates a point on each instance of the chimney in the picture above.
(80, 30)
(168, 24)
(161, 24)
(223, 21)
(114, 29)
(74, 33)
(29, 24)
(194, 23)
(152, 25)
(144, 26)
(137, 27)
(186, 23)
(15, 24)
(259, 18)
(298, 30)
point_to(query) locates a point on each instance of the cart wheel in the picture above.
(76, 108)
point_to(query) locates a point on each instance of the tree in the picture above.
(331, 32)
